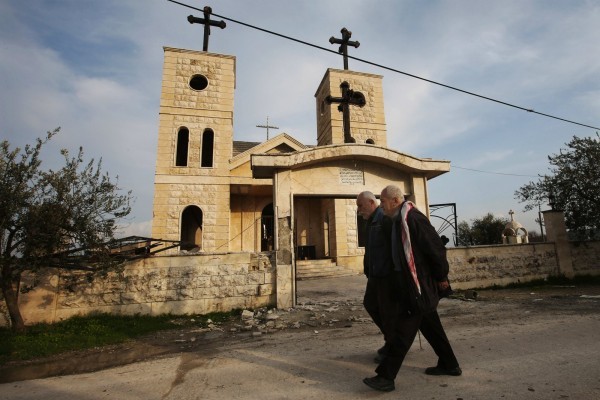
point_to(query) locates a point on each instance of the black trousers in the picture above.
(379, 302)
(373, 295)
(400, 328)
(431, 327)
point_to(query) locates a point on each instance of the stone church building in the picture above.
(220, 195)
(249, 215)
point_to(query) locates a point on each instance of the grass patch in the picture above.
(78, 333)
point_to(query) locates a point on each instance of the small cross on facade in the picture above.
(349, 97)
(344, 42)
(267, 126)
(207, 24)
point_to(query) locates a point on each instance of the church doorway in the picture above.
(267, 228)
(325, 238)
(191, 228)
(311, 227)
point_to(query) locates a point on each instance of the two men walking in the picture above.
(405, 262)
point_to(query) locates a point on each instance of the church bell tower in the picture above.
(195, 135)
(350, 104)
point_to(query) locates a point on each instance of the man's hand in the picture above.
(444, 289)
(443, 285)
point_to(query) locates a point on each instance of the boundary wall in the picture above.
(204, 283)
(486, 266)
(184, 284)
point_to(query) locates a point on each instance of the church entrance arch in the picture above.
(191, 228)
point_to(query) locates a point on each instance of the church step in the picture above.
(325, 275)
(322, 261)
(313, 269)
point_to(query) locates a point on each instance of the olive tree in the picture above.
(64, 218)
(482, 231)
(573, 186)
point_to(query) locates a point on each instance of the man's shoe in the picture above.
(456, 371)
(380, 383)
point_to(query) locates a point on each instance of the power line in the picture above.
(495, 173)
(391, 69)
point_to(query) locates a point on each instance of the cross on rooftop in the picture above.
(207, 24)
(267, 126)
(344, 42)
(349, 97)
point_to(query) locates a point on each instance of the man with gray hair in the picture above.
(377, 262)
(420, 274)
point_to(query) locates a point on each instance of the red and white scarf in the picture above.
(406, 207)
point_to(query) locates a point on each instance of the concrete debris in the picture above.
(247, 314)
(308, 314)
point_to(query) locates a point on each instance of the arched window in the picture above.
(370, 141)
(208, 140)
(267, 229)
(191, 228)
(183, 139)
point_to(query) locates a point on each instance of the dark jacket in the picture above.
(431, 263)
(377, 261)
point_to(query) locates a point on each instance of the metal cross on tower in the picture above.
(349, 97)
(267, 126)
(207, 24)
(344, 42)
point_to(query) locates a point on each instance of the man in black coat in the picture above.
(377, 262)
(420, 274)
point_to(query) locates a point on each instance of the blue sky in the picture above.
(94, 69)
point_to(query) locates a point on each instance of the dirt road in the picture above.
(512, 344)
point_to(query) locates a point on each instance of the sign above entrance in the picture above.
(349, 176)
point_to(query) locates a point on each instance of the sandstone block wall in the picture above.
(197, 284)
(484, 266)
(586, 257)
